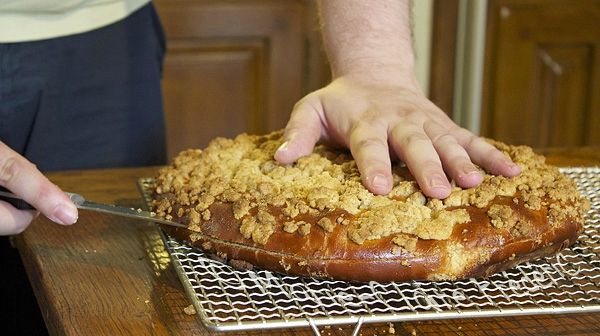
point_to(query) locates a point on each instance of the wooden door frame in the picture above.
(443, 54)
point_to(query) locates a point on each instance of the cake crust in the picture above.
(315, 218)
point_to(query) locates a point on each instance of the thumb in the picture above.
(302, 132)
(26, 181)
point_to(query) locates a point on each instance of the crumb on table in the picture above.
(190, 310)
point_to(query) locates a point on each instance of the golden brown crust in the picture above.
(315, 218)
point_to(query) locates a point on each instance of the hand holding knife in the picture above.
(83, 204)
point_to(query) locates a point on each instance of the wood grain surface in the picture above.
(111, 276)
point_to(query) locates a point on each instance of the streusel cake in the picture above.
(315, 218)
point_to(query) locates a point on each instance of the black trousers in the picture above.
(89, 100)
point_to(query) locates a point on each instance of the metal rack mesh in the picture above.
(230, 299)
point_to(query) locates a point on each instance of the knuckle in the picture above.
(499, 157)
(444, 139)
(480, 142)
(292, 129)
(300, 109)
(460, 131)
(470, 141)
(463, 136)
(430, 167)
(370, 142)
(493, 158)
(299, 104)
(414, 139)
(372, 117)
(373, 120)
(42, 192)
(366, 135)
(9, 168)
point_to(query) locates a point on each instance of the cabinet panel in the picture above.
(235, 66)
(562, 88)
(223, 80)
(542, 80)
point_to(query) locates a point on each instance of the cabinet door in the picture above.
(235, 66)
(543, 72)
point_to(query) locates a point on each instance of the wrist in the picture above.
(378, 74)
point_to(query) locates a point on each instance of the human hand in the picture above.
(379, 122)
(22, 178)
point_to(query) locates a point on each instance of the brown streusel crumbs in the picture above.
(502, 216)
(242, 172)
(408, 243)
(303, 228)
(189, 310)
(290, 227)
(326, 224)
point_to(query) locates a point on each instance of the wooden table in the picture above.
(110, 276)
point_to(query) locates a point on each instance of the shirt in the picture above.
(31, 20)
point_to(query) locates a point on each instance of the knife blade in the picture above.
(83, 204)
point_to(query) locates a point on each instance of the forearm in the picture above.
(370, 40)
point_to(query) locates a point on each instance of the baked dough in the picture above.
(315, 218)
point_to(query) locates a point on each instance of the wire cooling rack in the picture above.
(230, 299)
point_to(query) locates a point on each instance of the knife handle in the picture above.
(14, 200)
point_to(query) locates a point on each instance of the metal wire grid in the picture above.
(230, 299)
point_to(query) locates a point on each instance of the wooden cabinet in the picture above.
(542, 73)
(236, 66)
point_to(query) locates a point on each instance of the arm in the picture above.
(375, 106)
(22, 178)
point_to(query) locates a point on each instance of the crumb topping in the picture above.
(326, 224)
(195, 237)
(290, 227)
(242, 172)
(256, 230)
(502, 216)
(303, 228)
(300, 227)
(406, 242)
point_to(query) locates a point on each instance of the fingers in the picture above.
(369, 121)
(25, 180)
(302, 132)
(368, 144)
(486, 155)
(454, 157)
(432, 149)
(416, 149)
(13, 221)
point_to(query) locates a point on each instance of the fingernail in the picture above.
(283, 146)
(64, 215)
(468, 169)
(437, 181)
(380, 182)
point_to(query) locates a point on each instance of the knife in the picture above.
(83, 204)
